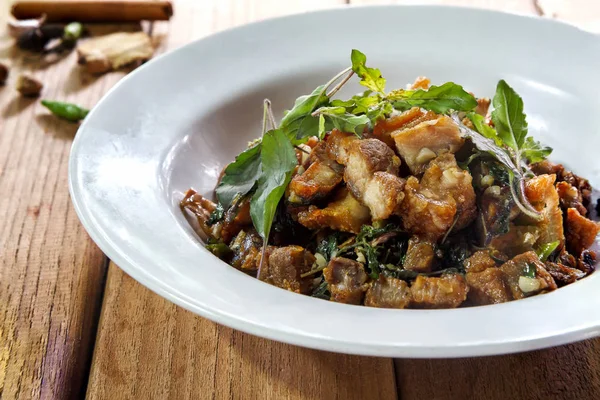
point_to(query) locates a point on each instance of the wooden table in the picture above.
(72, 323)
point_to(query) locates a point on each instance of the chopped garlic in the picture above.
(360, 257)
(320, 260)
(528, 285)
(487, 180)
(425, 155)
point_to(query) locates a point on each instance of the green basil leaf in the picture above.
(298, 123)
(338, 118)
(508, 116)
(278, 160)
(369, 77)
(439, 99)
(239, 176)
(217, 215)
(358, 104)
(533, 151)
(380, 111)
(483, 128)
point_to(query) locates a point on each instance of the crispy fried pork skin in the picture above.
(514, 272)
(581, 232)
(285, 265)
(344, 213)
(387, 292)
(487, 287)
(423, 142)
(346, 280)
(420, 255)
(444, 194)
(447, 291)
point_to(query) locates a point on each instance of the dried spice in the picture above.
(28, 86)
(111, 52)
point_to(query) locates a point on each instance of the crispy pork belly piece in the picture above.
(563, 175)
(420, 255)
(383, 194)
(444, 177)
(409, 118)
(371, 173)
(562, 274)
(487, 287)
(570, 198)
(338, 144)
(521, 285)
(285, 265)
(581, 232)
(314, 184)
(542, 195)
(344, 213)
(519, 239)
(346, 280)
(423, 213)
(323, 174)
(479, 261)
(444, 193)
(387, 292)
(447, 291)
(420, 144)
(246, 247)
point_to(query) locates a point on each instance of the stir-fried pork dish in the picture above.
(424, 197)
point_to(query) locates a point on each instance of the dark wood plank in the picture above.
(51, 274)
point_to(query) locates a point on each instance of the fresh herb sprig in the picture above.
(508, 141)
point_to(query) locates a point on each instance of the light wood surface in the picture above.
(59, 302)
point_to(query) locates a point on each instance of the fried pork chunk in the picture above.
(420, 255)
(344, 213)
(320, 178)
(284, 267)
(387, 292)
(383, 129)
(581, 232)
(419, 144)
(371, 173)
(542, 195)
(521, 285)
(487, 287)
(246, 247)
(447, 291)
(445, 193)
(346, 280)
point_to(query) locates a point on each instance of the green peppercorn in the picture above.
(68, 111)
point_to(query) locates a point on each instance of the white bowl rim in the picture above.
(586, 329)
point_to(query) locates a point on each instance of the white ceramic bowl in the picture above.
(176, 121)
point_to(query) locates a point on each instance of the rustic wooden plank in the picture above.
(51, 274)
(566, 372)
(149, 348)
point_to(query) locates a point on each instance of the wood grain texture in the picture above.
(148, 348)
(566, 372)
(51, 274)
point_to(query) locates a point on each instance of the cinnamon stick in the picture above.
(94, 10)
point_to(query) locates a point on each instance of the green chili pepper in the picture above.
(72, 31)
(68, 111)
